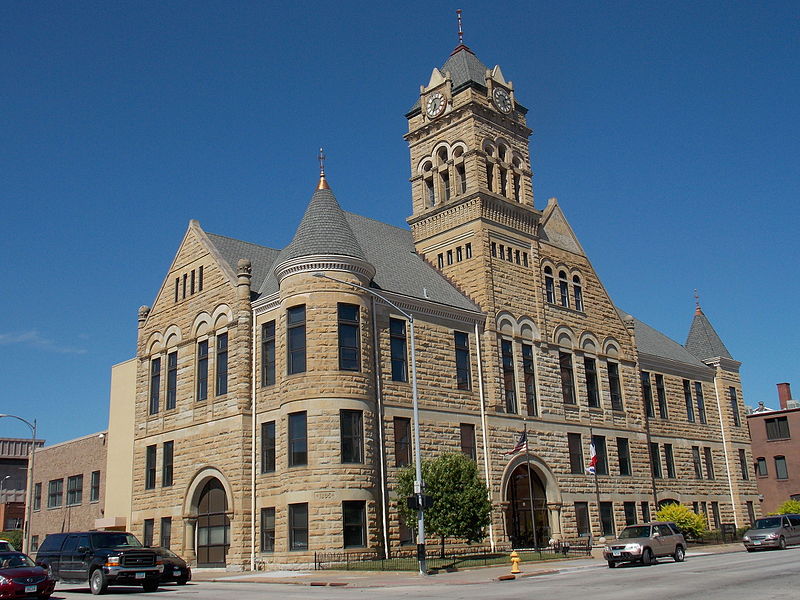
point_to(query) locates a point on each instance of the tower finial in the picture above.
(697, 309)
(323, 184)
(460, 31)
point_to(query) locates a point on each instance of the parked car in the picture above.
(778, 531)
(175, 568)
(100, 558)
(646, 543)
(5, 546)
(21, 578)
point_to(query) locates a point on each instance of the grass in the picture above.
(448, 563)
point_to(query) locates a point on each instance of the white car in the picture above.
(6, 546)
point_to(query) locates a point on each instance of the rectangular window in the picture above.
(549, 288)
(354, 524)
(296, 339)
(624, 454)
(607, 518)
(698, 466)
(670, 460)
(402, 441)
(575, 453)
(761, 467)
(191, 282)
(268, 529)
(222, 364)
(37, 496)
(614, 386)
(34, 544)
(351, 430)
(709, 463)
(530, 379)
(525, 259)
(777, 428)
(592, 395)
(349, 337)
(630, 512)
(150, 468)
(468, 250)
(268, 447)
(751, 512)
(177, 284)
(462, 178)
(701, 403)
(445, 185)
(440, 260)
(601, 468)
(298, 443)
(737, 419)
(405, 534)
(468, 440)
(268, 354)
(155, 384)
(463, 376)
(55, 493)
(147, 537)
(582, 519)
(449, 257)
(715, 514)
(172, 380)
(509, 385)
(200, 279)
(167, 459)
(298, 526)
(74, 490)
(563, 289)
(781, 472)
(661, 394)
(743, 464)
(655, 460)
(202, 370)
(431, 194)
(184, 285)
(687, 396)
(646, 512)
(398, 349)
(567, 380)
(166, 532)
(647, 394)
(704, 511)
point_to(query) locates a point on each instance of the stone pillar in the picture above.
(243, 277)
(189, 551)
(554, 516)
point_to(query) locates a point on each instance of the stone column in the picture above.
(554, 516)
(189, 550)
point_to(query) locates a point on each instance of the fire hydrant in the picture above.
(515, 563)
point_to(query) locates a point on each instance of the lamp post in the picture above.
(29, 502)
(418, 483)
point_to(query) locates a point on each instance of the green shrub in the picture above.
(14, 536)
(790, 506)
(691, 525)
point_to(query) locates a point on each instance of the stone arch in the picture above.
(564, 337)
(201, 526)
(202, 324)
(221, 316)
(155, 343)
(173, 336)
(611, 347)
(506, 323)
(528, 329)
(589, 342)
(516, 500)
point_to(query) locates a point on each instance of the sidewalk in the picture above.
(473, 575)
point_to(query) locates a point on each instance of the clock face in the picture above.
(435, 105)
(502, 100)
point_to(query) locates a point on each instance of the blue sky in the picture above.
(670, 133)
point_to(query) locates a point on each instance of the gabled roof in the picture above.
(703, 340)
(653, 342)
(261, 257)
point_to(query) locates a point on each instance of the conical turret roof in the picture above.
(703, 341)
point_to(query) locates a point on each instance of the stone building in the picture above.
(273, 406)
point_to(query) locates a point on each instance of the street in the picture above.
(733, 576)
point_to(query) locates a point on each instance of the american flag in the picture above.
(592, 459)
(522, 444)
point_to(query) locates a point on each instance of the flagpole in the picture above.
(530, 485)
(596, 482)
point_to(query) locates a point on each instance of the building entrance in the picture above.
(519, 517)
(213, 525)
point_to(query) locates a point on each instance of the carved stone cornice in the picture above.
(324, 262)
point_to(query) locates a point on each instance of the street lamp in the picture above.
(29, 503)
(418, 483)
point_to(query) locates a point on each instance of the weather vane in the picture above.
(460, 31)
(321, 157)
(696, 299)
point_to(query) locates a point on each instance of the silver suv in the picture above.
(645, 543)
(773, 532)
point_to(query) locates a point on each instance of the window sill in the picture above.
(567, 308)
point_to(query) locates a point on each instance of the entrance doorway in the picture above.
(519, 516)
(213, 525)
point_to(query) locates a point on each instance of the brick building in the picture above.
(777, 450)
(273, 406)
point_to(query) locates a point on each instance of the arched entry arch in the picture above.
(209, 509)
(527, 476)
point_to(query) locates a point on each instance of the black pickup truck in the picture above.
(101, 558)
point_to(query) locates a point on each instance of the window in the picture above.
(147, 537)
(268, 354)
(184, 285)
(503, 180)
(354, 524)
(55, 493)
(607, 518)
(34, 543)
(563, 289)
(509, 385)
(493, 246)
(655, 460)
(490, 176)
(167, 459)
(222, 364)
(459, 254)
(155, 384)
(166, 532)
(661, 394)
(468, 250)
(646, 512)
(191, 282)
(430, 193)
(440, 260)
(405, 534)
(698, 467)
(150, 468)
(549, 285)
(516, 186)
(630, 512)
(701, 403)
(398, 349)
(761, 467)
(402, 441)
(751, 513)
(37, 496)
(268, 529)
(349, 338)
(351, 431)
(268, 447)
(449, 257)
(647, 394)
(172, 380)
(298, 526)
(709, 463)
(777, 428)
(743, 464)
(687, 396)
(200, 279)
(567, 385)
(592, 395)
(530, 379)
(296, 339)
(525, 258)
(670, 460)
(468, 440)
(781, 471)
(582, 519)
(462, 178)
(614, 386)
(601, 468)
(74, 490)
(715, 514)
(298, 444)
(445, 185)
(463, 378)
(737, 419)
(577, 292)
(202, 370)
(575, 453)
(177, 284)
(624, 455)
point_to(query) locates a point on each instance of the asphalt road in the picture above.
(734, 576)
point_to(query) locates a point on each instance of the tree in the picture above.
(789, 507)
(689, 523)
(461, 507)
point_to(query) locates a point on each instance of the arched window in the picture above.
(577, 292)
(427, 175)
(549, 285)
(563, 288)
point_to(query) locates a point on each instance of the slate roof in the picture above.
(653, 342)
(261, 257)
(465, 68)
(703, 340)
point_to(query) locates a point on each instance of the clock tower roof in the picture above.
(465, 68)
